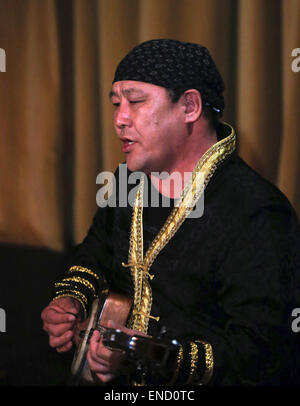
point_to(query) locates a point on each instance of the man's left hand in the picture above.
(104, 362)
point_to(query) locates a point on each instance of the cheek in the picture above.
(154, 126)
(146, 125)
(152, 123)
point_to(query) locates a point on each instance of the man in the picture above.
(223, 283)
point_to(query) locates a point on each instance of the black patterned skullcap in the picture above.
(175, 65)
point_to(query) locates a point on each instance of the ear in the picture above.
(192, 102)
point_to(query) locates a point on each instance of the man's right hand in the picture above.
(59, 321)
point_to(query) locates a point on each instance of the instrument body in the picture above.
(144, 354)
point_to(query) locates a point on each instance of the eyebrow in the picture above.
(131, 90)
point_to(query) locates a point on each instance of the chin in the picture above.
(135, 166)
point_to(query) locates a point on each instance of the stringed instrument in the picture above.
(143, 353)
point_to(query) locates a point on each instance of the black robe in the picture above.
(229, 277)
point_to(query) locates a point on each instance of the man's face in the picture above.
(149, 125)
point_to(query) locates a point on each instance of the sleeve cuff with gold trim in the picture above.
(194, 364)
(79, 283)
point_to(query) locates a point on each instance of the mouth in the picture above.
(127, 145)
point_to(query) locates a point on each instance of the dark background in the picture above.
(27, 277)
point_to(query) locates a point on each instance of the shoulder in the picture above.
(244, 191)
(240, 205)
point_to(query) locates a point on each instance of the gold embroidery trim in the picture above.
(73, 291)
(77, 268)
(179, 360)
(201, 176)
(83, 281)
(209, 363)
(58, 284)
(194, 360)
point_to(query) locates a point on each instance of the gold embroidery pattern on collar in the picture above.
(140, 267)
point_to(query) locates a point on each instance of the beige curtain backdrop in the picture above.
(56, 130)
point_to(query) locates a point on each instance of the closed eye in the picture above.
(117, 104)
(135, 101)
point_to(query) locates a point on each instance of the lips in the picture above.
(127, 145)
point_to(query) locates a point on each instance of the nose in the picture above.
(122, 116)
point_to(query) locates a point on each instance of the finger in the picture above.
(95, 347)
(65, 348)
(52, 316)
(101, 357)
(94, 341)
(97, 364)
(64, 305)
(105, 377)
(102, 361)
(101, 369)
(60, 341)
(57, 330)
(106, 354)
